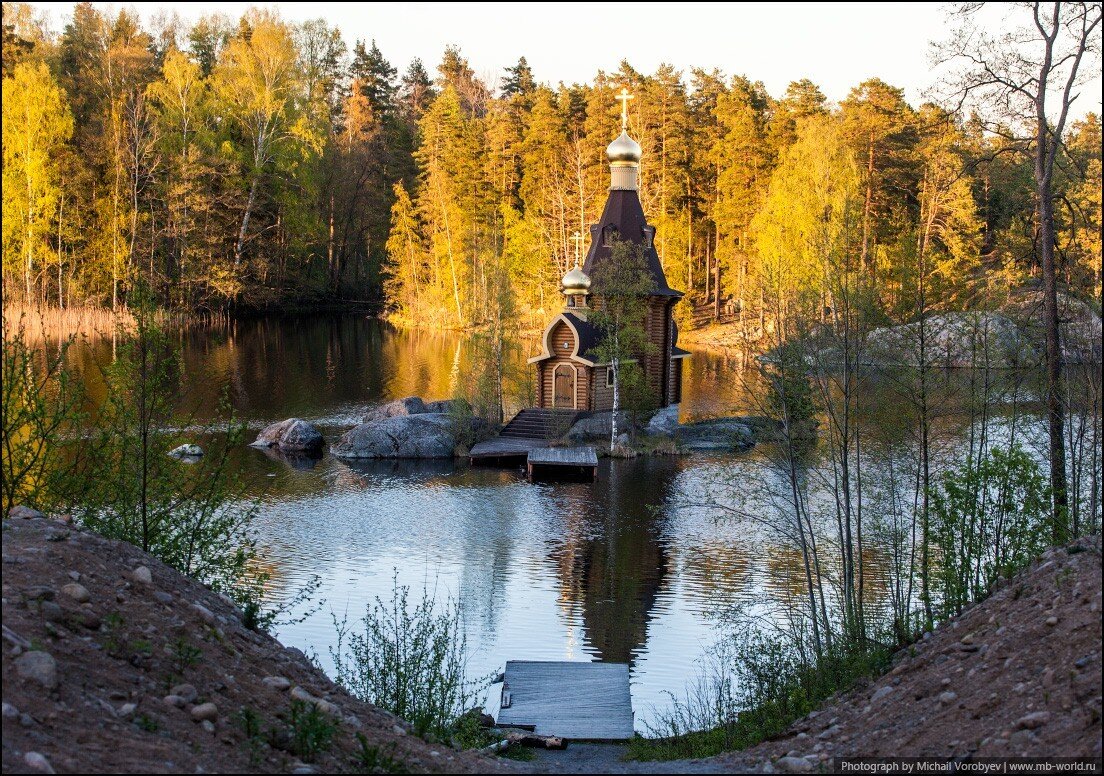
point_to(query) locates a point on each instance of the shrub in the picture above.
(990, 518)
(409, 660)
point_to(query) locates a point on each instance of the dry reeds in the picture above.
(56, 323)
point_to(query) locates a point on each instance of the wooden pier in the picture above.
(577, 701)
(563, 461)
(531, 429)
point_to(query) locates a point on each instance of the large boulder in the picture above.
(716, 434)
(292, 435)
(596, 427)
(411, 405)
(445, 406)
(951, 340)
(1078, 321)
(664, 423)
(425, 435)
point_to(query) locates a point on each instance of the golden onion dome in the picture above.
(624, 150)
(575, 281)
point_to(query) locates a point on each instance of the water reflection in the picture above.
(630, 568)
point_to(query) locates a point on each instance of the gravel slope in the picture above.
(113, 661)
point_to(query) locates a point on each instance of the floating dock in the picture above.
(563, 462)
(577, 701)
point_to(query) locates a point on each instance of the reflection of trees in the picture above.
(611, 562)
(718, 573)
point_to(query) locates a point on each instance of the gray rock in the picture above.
(400, 436)
(411, 405)
(596, 427)
(791, 764)
(142, 576)
(948, 697)
(38, 666)
(208, 725)
(127, 709)
(173, 700)
(186, 691)
(276, 682)
(77, 592)
(291, 435)
(881, 693)
(1033, 721)
(665, 422)
(205, 711)
(162, 597)
(20, 512)
(443, 405)
(38, 762)
(717, 434)
(187, 451)
(9, 711)
(204, 613)
(299, 694)
(951, 340)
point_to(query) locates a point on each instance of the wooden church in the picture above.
(569, 374)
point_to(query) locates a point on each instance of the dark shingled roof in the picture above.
(623, 211)
(589, 335)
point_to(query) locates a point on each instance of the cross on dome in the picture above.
(624, 98)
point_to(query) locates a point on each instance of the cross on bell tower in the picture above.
(577, 238)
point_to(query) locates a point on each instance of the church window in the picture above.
(649, 236)
(609, 235)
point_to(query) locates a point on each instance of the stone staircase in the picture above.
(537, 423)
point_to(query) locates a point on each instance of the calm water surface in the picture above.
(624, 569)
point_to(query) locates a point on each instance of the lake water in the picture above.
(629, 569)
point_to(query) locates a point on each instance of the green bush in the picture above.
(755, 686)
(410, 660)
(990, 518)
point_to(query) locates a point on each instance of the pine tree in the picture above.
(518, 80)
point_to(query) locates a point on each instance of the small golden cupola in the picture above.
(576, 283)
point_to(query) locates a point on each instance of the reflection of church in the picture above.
(612, 563)
(569, 374)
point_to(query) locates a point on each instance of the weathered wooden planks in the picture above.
(563, 461)
(580, 701)
(565, 456)
(505, 447)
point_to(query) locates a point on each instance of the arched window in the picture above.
(649, 236)
(609, 235)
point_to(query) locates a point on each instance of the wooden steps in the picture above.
(538, 423)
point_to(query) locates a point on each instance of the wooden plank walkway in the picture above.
(563, 460)
(505, 447)
(580, 701)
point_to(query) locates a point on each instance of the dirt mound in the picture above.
(1017, 675)
(113, 661)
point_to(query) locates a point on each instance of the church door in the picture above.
(564, 389)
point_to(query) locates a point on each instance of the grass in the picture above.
(767, 681)
(468, 733)
(372, 759)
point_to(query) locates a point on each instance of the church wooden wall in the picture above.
(657, 327)
(603, 396)
(561, 342)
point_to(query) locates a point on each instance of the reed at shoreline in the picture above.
(52, 322)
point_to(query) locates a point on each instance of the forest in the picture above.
(255, 164)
